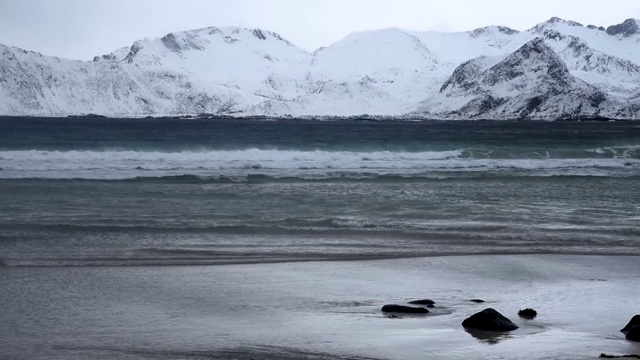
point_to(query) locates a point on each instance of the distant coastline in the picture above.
(363, 117)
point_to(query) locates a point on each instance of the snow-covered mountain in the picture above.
(557, 69)
(532, 82)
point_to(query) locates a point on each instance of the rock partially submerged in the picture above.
(635, 321)
(489, 320)
(528, 314)
(634, 334)
(404, 309)
(426, 302)
(605, 356)
(477, 301)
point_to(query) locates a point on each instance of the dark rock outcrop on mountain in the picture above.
(628, 28)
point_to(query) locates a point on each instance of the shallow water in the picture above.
(319, 310)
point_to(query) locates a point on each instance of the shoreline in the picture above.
(7, 262)
(311, 118)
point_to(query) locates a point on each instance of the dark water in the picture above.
(131, 192)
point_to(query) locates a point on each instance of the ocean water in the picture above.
(80, 192)
(112, 233)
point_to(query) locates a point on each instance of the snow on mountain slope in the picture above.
(533, 82)
(256, 61)
(615, 75)
(379, 70)
(455, 48)
(384, 53)
(41, 85)
(386, 72)
(622, 40)
(206, 70)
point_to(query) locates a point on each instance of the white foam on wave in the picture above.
(130, 164)
(623, 152)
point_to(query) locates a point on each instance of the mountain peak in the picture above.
(555, 21)
(489, 30)
(628, 28)
(536, 57)
(192, 39)
(535, 46)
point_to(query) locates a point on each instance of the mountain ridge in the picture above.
(391, 72)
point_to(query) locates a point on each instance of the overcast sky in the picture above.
(81, 29)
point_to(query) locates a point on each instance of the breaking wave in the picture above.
(258, 165)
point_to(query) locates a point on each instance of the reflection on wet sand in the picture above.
(488, 337)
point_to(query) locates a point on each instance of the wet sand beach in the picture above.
(320, 310)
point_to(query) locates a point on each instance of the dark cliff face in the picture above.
(135, 48)
(628, 28)
(534, 56)
(170, 42)
(464, 77)
(597, 61)
(540, 80)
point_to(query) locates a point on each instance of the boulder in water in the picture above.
(634, 334)
(634, 322)
(477, 301)
(404, 309)
(528, 314)
(605, 356)
(489, 320)
(422, 302)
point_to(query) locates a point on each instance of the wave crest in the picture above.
(287, 165)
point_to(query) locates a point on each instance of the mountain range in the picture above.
(558, 69)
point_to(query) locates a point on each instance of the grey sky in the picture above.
(80, 29)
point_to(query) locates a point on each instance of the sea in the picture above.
(103, 221)
(78, 192)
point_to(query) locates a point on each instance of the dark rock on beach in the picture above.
(404, 309)
(528, 314)
(477, 301)
(635, 321)
(634, 334)
(422, 302)
(489, 320)
(605, 356)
